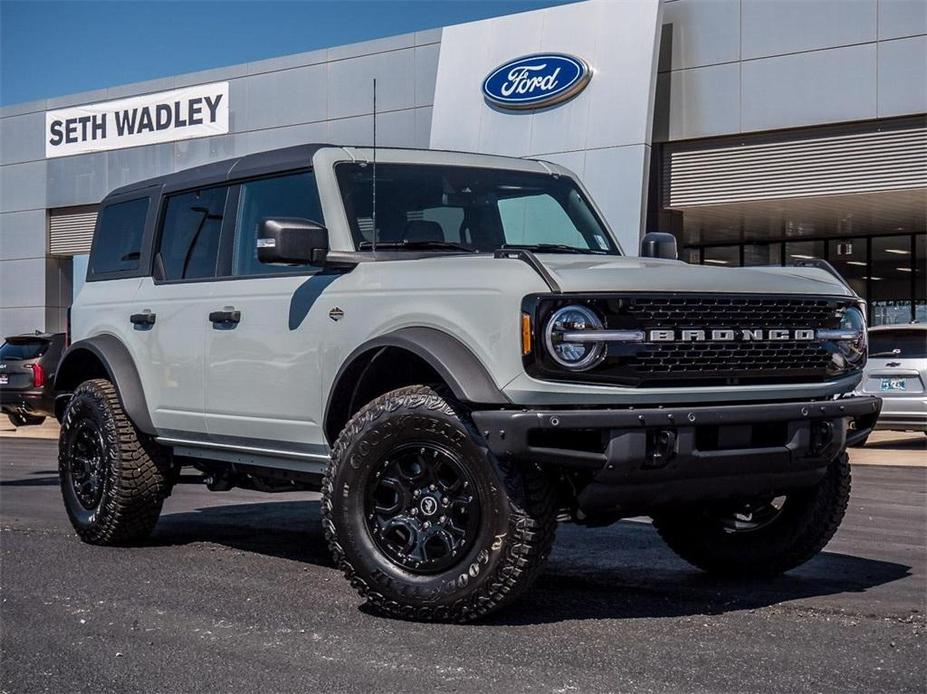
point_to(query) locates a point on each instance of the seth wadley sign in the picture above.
(179, 114)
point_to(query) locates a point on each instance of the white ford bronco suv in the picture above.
(453, 349)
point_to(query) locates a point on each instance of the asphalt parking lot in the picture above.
(236, 592)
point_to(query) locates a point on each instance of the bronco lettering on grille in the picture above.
(729, 335)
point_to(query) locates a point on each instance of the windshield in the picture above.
(898, 343)
(20, 351)
(469, 209)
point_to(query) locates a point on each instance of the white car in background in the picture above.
(897, 372)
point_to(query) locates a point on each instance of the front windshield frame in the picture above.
(593, 226)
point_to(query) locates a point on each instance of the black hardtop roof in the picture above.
(244, 166)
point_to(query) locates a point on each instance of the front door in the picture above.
(262, 371)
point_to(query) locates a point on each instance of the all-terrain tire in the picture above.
(18, 419)
(807, 521)
(133, 477)
(517, 513)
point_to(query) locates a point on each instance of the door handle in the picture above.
(142, 318)
(225, 316)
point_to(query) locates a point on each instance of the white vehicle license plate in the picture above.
(4, 379)
(892, 384)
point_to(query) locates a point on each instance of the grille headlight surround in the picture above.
(575, 356)
(855, 350)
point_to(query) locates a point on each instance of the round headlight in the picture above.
(576, 356)
(854, 350)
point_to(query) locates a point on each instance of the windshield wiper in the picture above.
(552, 248)
(416, 245)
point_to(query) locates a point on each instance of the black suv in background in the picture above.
(27, 375)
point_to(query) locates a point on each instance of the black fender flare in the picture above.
(465, 375)
(120, 369)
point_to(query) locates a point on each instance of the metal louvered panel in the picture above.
(836, 165)
(69, 232)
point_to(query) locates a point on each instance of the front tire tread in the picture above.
(530, 494)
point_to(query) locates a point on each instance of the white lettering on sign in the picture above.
(521, 81)
(179, 114)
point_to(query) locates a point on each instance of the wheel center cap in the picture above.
(428, 506)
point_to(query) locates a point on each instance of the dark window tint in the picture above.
(294, 195)
(118, 242)
(911, 344)
(190, 234)
(20, 351)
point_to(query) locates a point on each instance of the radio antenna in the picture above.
(373, 206)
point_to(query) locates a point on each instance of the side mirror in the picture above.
(292, 241)
(659, 244)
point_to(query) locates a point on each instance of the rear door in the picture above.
(171, 313)
(262, 371)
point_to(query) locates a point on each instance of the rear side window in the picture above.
(20, 351)
(293, 195)
(910, 344)
(118, 242)
(189, 243)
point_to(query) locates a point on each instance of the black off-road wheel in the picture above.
(113, 478)
(423, 520)
(763, 537)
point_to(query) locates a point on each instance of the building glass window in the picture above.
(725, 256)
(804, 250)
(890, 280)
(189, 244)
(850, 258)
(920, 278)
(294, 195)
(762, 254)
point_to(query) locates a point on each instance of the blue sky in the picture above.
(56, 48)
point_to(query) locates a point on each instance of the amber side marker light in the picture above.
(525, 334)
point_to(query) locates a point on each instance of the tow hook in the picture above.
(822, 433)
(662, 448)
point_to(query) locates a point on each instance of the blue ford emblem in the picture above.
(535, 81)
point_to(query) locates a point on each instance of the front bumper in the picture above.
(640, 459)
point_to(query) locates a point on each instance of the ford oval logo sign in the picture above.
(535, 81)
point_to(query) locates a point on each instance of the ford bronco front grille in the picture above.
(708, 358)
(699, 339)
(730, 311)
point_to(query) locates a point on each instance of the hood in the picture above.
(591, 273)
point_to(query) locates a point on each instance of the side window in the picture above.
(293, 195)
(190, 233)
(118, 242)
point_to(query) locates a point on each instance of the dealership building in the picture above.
(758, 132)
